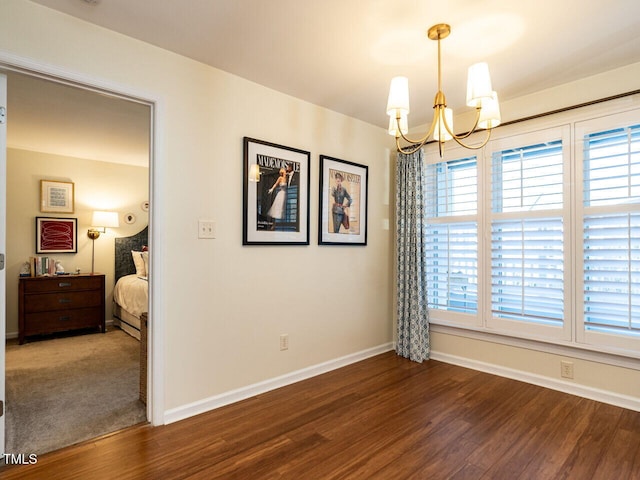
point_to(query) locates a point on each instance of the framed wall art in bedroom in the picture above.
(56, 197)
(275, 207)
(56, 235)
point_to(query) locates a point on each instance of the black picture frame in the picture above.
(354, 180)
(56, 235)
(275, 206)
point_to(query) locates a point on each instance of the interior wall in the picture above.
(223, 306)
(98, 186)
(593, 377)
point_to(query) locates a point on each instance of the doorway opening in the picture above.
(101, 143)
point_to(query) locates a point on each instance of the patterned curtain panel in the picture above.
(413, 316)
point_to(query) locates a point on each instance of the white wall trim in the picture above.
(227, 398)
(619, 400)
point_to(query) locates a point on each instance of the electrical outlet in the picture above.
(284, 341)
(566, 369)
(206, 229)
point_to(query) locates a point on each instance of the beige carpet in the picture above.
(66, 390)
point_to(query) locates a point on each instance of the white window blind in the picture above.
(612, 167)
(527, 234)
(452, 188)
(452, 235)
(611, 231)
(612, 273)
(528, 178)
(527, 274)
(452, 267)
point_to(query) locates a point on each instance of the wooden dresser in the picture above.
(59, 303)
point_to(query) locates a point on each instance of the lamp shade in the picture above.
(105, 219)
(398, 97)
(393, 125)
(490, 112)
(478, 84)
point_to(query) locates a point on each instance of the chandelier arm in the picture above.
(421, 141)
(473, 147)
(406, 150)
(462, 136)
(473, 129)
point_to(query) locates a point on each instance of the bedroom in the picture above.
(99, 144)
(214, 344)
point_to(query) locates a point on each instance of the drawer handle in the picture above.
(64, 284)
(65, 318)
(64, 300)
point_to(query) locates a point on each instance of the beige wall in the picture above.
(98, 186)
(594, 377)
(224, 305)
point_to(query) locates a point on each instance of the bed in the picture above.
(131, 291)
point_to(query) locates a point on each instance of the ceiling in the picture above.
(50, 117)
(342, 54)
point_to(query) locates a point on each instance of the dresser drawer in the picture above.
(62, 301)
(62, 284)
(62, 320)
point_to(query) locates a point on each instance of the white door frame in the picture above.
(155, 355)
(3, 248)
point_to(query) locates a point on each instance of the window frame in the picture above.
(582, 128)
(572, 334)
(529, 329)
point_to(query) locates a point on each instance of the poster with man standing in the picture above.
(343, 202)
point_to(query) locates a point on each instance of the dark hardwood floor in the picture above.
(383, 418)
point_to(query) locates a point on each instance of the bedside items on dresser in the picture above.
(59, 303)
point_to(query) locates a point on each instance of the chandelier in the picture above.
(479, 95)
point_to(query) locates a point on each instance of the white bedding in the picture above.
(132, 294)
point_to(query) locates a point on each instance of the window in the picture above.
(528, 231)
(538, 235)
(610, 231)
(452, 235)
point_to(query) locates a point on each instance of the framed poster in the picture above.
(56, 235)
(275, 208)
(343, 202)
(56, 197)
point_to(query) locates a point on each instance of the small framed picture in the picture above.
(56, 235)
(343, 202)
(275, 206)
(56, 197)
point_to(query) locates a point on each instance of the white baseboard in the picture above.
(619, 400)
(227, 398)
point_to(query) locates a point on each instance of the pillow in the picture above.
(138, 261)
(145, 259)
